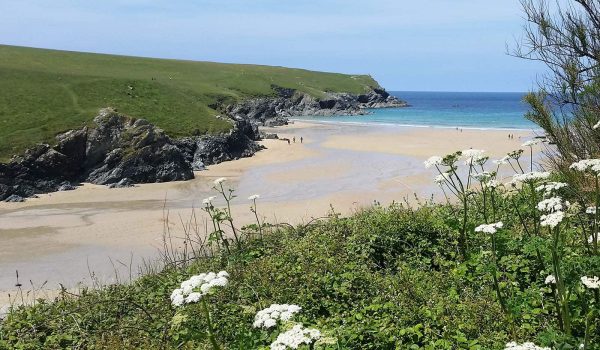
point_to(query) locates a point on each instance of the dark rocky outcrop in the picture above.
(122, 147)
(239, 142)
(275, 111)
(120, 151)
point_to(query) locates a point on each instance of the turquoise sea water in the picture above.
(488, 110)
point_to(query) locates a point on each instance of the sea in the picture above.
(477, 110)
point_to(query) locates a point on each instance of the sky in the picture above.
(424, 45)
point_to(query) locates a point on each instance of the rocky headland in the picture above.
(274, 111)
(120, 151)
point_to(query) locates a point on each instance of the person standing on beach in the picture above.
(294, 138)
(288, 140)
(301, 139)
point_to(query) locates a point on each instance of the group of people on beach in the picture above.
(511, 136)
(294, 140)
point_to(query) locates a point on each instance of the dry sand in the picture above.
(61, 237)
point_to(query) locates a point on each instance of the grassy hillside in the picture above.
(44, 92)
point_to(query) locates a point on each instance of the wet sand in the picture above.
(66, 237)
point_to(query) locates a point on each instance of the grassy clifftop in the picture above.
(44, 92)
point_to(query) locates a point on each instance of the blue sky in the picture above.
(441, 45)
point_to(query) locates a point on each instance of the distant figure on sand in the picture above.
(301, 139)
(288, 140)
(294, 138)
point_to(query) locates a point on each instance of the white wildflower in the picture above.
(295, 337)
(591, 282)
(553, 219)
(177, 299)
(473, 156)
(433, 161)
(194, 297)
(531, 143)
(193, 289)
(592, 165)
(254, 197)
(531, 177)
(208, 200)
(218, 282)
(269, 323)
(551, 205)
(501, 161)
(596, 126)
(483, 176)
(268, 317)
(524, 346)
(591, 210)
(220, 180)
(491, 184)
(489, 228)
(550, 279)
(550, 187)
(443, 177)
(590, 239)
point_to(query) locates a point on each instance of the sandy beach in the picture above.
(66, 237)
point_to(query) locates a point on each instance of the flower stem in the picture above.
(211, 331)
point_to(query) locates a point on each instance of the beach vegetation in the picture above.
(522, 275)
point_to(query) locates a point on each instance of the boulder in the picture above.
(123, 183)
(66, 186)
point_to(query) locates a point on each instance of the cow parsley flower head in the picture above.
(531, 177)
(220, 180)
(524, 346)
(591, 282)
(590, 239)
(552, 220)
(596, 126)
(208, 200)
(550, 187)
(591, 165)
(489, 228)
(177, 298)
(550, 279)
(196, 287)
(254, 197)
(483, 176)
(491, 184)
(267, 318)
(591, 210)
(433, 161)
(443, 177)
(515, 154)
(531, 143)
(295, 337)
(474, 156)
(551, 205)
(501, 161)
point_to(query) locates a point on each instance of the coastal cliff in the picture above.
(274, 111)
(120, 151)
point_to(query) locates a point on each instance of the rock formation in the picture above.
(275, 111)
(119, 152)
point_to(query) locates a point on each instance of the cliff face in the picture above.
(289, 103)
(120, 151)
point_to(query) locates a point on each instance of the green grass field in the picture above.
(45, 92)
